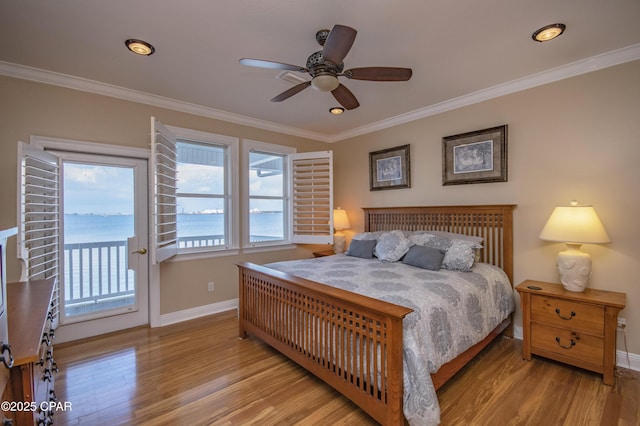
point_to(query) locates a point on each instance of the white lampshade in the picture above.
(340, 222)
(340, 219)
(574, 225)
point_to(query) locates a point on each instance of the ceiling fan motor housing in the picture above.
(317, 64)
(324, 73)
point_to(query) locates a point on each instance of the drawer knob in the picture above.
(5, 347)
(573, 314)
(573, 343)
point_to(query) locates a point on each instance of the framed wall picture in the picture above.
(390, 168)
(475, 157)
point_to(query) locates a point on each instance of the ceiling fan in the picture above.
(325, 66)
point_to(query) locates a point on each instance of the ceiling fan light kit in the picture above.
(140, 47)
(325, 82)
(548, 32)
(336, 110)
(325, 66)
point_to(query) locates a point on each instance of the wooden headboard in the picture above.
(494, 223)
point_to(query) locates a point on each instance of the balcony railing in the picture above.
(200, 241)
(97, 274)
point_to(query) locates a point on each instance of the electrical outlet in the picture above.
(622, 323)
(210, 286)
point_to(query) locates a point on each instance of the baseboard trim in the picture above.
(632, 362)
(200, 311)
(624, 359)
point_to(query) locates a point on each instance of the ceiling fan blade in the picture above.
(379, 74)
(338, 44)
(290, 92)
(271, 65)
(345, 97)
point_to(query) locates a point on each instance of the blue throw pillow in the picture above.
(362, 248)
(424, 257)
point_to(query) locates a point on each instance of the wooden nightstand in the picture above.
(323, 253)
(574, 328)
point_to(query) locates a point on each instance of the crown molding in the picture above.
(99, 88)
(598, 62)
(605, 60)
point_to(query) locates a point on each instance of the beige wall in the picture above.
(28, 108)
(574, 139)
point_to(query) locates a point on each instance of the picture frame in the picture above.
(390, 168)
(475, 157)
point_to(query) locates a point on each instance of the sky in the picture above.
(97, 189)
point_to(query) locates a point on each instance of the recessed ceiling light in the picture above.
(548, 32)
(336, 110)
(140, 47)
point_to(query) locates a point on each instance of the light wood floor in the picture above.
(200, 373)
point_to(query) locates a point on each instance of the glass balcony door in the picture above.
(104, 285)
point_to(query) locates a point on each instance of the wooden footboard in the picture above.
(351, 342)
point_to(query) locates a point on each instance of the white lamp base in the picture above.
(339, 242)
(574, 267)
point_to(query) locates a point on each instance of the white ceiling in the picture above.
(460, 52)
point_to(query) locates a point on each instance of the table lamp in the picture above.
(574, 225)
(340, 222)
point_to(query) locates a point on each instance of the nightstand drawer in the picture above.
(567, 343)
(568, 314)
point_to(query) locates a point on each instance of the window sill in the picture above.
(209, 254)
(205, 254)
(272, 247)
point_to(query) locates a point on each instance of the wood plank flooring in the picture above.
(199, 373)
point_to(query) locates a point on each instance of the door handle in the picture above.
(8, 362)
(141, 251)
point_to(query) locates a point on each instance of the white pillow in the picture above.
(392, 246)
(460, 255)
(455, 236)
(420, 238)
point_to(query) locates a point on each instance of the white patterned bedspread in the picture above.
(452, 312)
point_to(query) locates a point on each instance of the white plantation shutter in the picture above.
(163, 163)
(311, 197)
(39, 216)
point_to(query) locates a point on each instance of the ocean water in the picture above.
(81, 228)
(95, 273)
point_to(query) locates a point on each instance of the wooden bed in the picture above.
(353, 342)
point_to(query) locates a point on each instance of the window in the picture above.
(267, 200)
(266, 192)
(288, 195)
(206, 179)
(201, 196)
(196, 209)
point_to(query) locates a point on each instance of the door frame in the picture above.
(58, 144)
